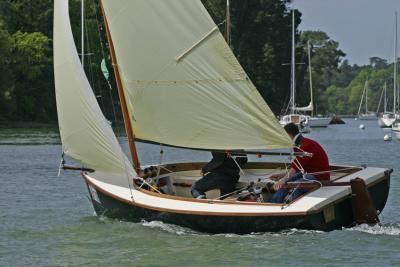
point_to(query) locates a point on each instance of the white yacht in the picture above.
(388, 118)
(368, 115)
(294, 117)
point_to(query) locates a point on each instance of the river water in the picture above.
(47, 220)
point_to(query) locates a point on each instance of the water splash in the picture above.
(173, 229)
(389, 229)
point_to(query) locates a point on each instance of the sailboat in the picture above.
(294, 116)
(368, 115)
(188, 91)
(313, 121)
(386, 119)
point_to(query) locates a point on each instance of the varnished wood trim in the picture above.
(133, 203)
(191, 166)
(284, 214)
(209, 201)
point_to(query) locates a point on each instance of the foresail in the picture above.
(183, 85)
(85, 134)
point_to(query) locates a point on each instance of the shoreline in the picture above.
(27, 125)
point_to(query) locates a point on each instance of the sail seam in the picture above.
(160, 82)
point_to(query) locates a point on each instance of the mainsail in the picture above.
(310, 107)
(85, 133)
(183, 85)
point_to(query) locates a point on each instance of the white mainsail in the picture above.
(310, 107)
(183, 85)
(85, 134)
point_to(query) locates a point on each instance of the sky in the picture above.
(363, 28)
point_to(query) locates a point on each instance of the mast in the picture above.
(128, 125)
(228, 23)
(383, 94)
(310, 71)
(385, 100)
(366, 97)
(395, 68)
(362, 98)
(293, 78)
(83, 32)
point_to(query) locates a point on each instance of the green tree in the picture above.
(261, 40)
(325, 58)
(32, 68)
(28, 16)
(5, 73)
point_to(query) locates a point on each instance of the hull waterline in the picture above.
(315, 122)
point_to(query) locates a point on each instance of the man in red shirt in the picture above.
(311, 168)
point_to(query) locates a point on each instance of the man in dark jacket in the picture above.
(222, 173)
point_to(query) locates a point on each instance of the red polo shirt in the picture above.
(317, 163)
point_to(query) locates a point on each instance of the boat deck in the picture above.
(187, 173)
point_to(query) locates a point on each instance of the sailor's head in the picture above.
(292, 130)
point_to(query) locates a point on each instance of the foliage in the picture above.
(345, 99)
(261, 40)
(5, 74)
(31, 66)
(325, 59)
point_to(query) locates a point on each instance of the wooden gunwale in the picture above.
(219, 202)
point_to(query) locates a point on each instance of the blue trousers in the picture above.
(280, 195)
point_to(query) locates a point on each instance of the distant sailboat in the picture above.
(190, 92)
(294, 116)
(385, 119)
(314, 121)
(388, 118)
(367, 115)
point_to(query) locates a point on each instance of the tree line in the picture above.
(261, 40)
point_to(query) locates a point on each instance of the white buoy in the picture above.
(362, 127)
(387, 137)
(355, 119)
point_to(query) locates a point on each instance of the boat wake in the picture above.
(179, 230)
(388, 229)
(173, 229)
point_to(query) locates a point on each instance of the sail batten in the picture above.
(183, 85)
(85, 133)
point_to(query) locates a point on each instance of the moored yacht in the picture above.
(367, 115)
(294, 116)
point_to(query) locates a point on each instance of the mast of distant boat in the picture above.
(395, 68)
(384, 100)
(362, 98)
(366, 97)
(83, 32)
(228, 24)
(310, 72)
(383, 96)
(293, 73)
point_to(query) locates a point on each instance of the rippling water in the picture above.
(47, 220)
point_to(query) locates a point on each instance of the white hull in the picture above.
(370, 117)
(300, 120)
(396, 126)
(219, 216)
(315, 122)
(385, 122)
